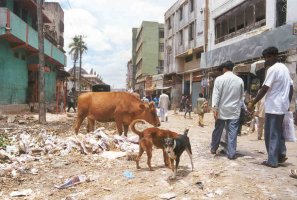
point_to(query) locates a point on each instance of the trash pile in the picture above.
(26, 146)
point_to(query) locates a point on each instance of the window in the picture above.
(2, 3)
(16, 54)
(61, 41)
(61, 26)
(191, 31)
(169, 23)
(231, 24)
(161, 47)
(181, 37)
(161, 33)
(191, 5)
(25, 15)
(281, 12)
(161, 63)
(181, 13)
(198, 55)
(16, 9)
(241, 19)
(260, 11)
(218, 30)
(189, 58)
(34, 23)
(224, 27)
(249, 15)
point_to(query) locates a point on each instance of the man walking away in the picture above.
(226, 103)
(278, 88)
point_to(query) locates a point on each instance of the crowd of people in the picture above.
(227, 105)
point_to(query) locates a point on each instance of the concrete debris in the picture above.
(72, 181)
(169, 195)
(11, 119)
(26, 192)
(27, 146)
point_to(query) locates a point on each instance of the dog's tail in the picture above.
(133, 129)
(186, 131)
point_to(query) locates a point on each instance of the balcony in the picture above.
(21, 35)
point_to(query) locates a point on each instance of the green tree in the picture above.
(77, 48)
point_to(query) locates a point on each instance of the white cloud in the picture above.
(107, 25)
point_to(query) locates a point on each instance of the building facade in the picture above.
(19, 55)
(55, 29)
(239, 30)
(184, 43)
(202, 34)
(147, 55)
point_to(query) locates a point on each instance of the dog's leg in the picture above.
(138, 156)
(176, 166)
(149, 156)
(172, 168)
(166, 158)
(191, 158)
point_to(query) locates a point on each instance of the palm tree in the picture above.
(77, 48)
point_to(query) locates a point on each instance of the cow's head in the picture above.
(149, 113)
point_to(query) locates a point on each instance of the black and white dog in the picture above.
(174, 147)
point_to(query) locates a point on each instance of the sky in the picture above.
(107, 29)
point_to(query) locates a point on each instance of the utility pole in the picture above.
(41, 80)
(80, 53)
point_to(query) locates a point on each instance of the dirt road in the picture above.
(214, 177)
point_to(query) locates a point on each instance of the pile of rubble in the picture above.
(26, 146)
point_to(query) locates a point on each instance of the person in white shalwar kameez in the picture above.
(163, 105)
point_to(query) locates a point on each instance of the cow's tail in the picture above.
(132, 126)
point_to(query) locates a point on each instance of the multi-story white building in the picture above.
(184, 43)
(201, 34)
(239, 30)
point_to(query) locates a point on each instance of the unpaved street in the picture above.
(214, 177)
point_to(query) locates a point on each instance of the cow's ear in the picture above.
(142, 106)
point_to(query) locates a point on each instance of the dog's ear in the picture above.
(186, 131)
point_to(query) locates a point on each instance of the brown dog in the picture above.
(148, 138)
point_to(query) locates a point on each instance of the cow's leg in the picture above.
(119, 123)
(126, 128)
(91, 124)
(79, 121)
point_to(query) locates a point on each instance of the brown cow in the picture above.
(120, 107)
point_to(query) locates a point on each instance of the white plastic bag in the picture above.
(288, 128)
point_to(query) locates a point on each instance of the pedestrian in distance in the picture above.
(226, 103)
(278, 90)
(164, 105)
(188, 106)
(71, 99)
(202, 107)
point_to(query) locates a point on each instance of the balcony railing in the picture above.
(13, 26)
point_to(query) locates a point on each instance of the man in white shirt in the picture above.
(278, 87)
(226, 102)
(163, 104)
